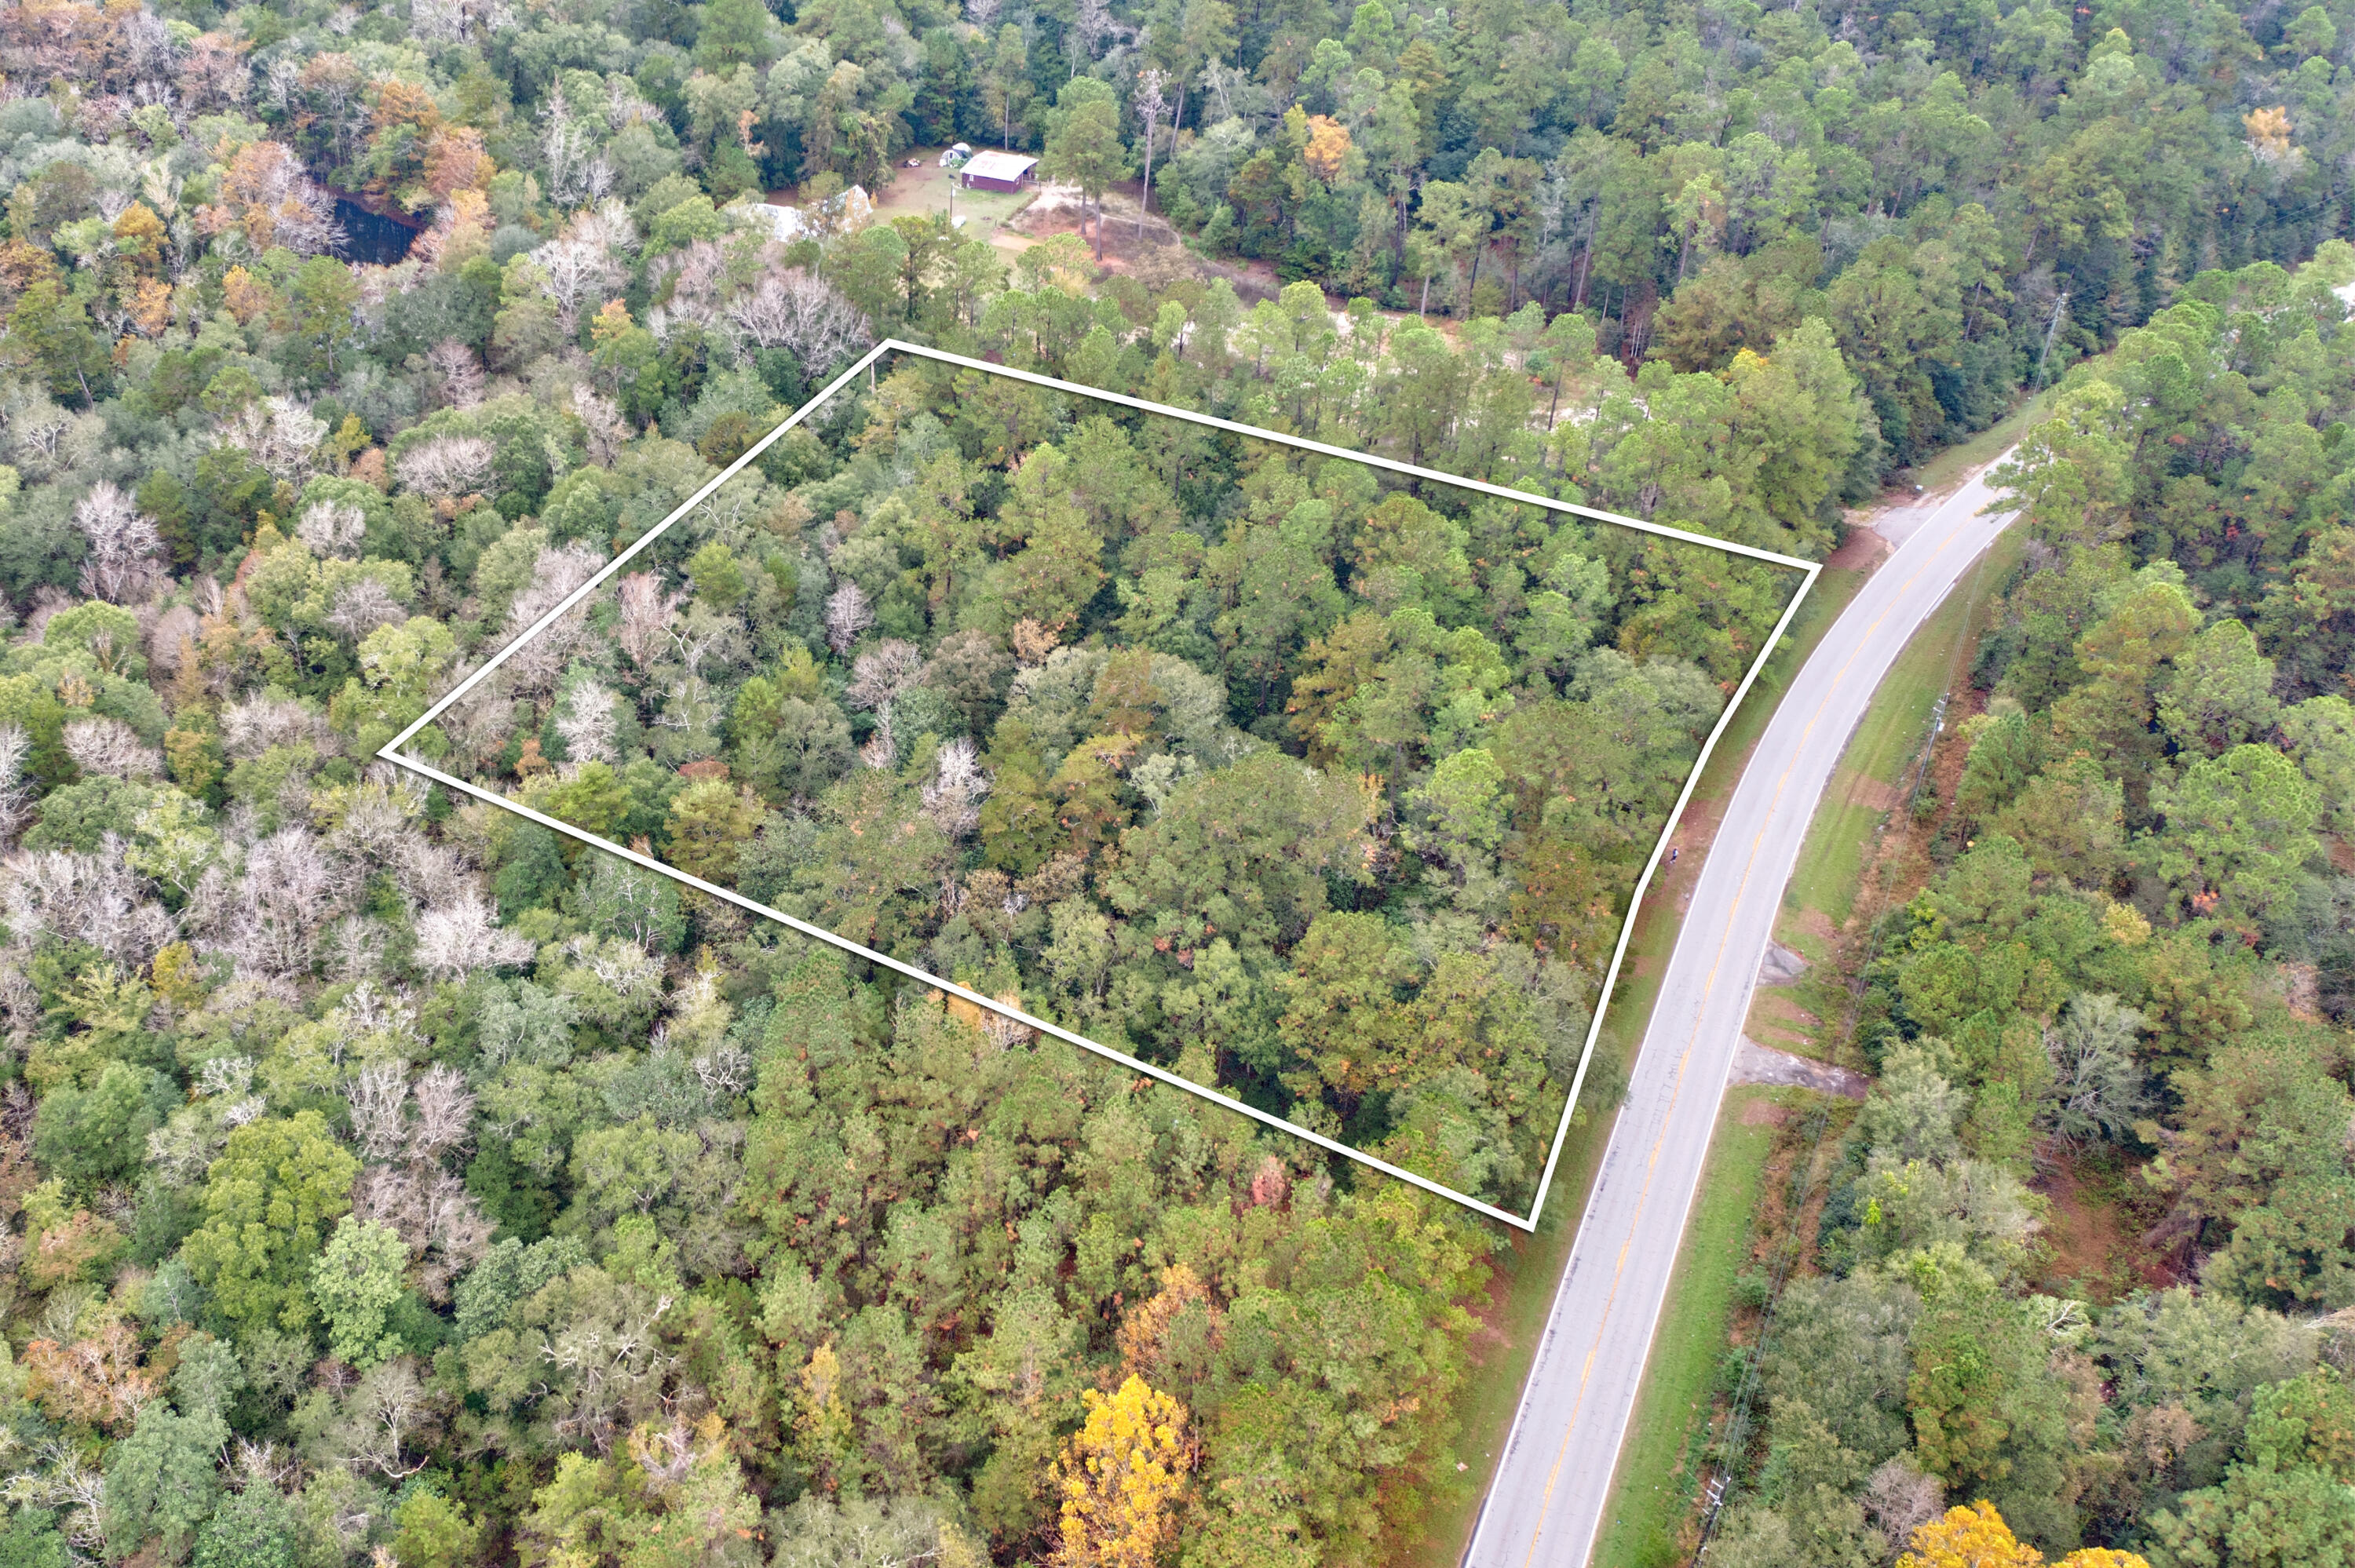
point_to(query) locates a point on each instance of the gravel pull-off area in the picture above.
(1756, 1063)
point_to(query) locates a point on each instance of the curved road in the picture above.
(1555, 1479)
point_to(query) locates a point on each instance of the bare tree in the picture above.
(60, 1481)
(2098, 1089)
(1150, 105)
(588, 723)
(376, 1095)
(697, 276)
(123, 562)
(610, 1361)
(267, 197)
(252, 727)
(93, 898)
(463, 936)
(460, 371)
(572, 271)
(438, 21)
(567, 146)
(792, 310)
(647, 613)
(447, 466)
(431, 1213)
(535, 666)
(1901, 1498)
(608, 227)
(848, 614)
(405, 1188)
(108, 746)
(270, 919)
(882, 748)
(625, 968)
(16, 790)
(479, 723)
(280, 435)
(384, 1418)
(882, 672)
(333, 528)
(445, 1112)
(361, 607)
(600, 416)
(954, 797)
(171, 638)
(1093, 24)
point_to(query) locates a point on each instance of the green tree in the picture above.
(1243, 850)
(2291, 1499)
(2259, 1161)
(1344, 1017)
(357, 1281)
(99, 1134)
(2001, 758)
(1006, 86)
(162, 1481)
(321, 305)
(278, 1184)
(736, 32)
(2239, 833)
(708, 826)
(50, 333)
(2222, 695)
(719, 581)
(1462, 811)
(1987, 1417)
(1086, 147)
(2070, 476)
(434, 1531)
(252, 1529)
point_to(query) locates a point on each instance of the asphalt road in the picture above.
(1555, 1479)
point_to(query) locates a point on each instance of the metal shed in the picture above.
(997, 172)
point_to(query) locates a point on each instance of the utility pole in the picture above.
(2051, 331)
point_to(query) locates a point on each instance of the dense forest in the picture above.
(389, 1180)
(1299, 805)
(2137, 956)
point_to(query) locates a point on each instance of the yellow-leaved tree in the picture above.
(1121, 1476)
(1977, 1537)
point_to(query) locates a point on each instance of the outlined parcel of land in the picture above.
(1503, 1043)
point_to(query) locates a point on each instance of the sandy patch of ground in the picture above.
(1860, 552)
(1141, 244)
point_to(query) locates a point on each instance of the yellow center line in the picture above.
(1709, 988)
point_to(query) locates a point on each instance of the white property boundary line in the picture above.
(391, 752)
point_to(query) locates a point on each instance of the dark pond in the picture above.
(371, 236)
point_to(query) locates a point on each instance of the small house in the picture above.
(997, 172)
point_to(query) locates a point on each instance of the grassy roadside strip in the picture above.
(1530, 1267)
(1831, 862)
(1660, 1464)
(1953, 463)
(1652, 1494)
(1820, 916)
